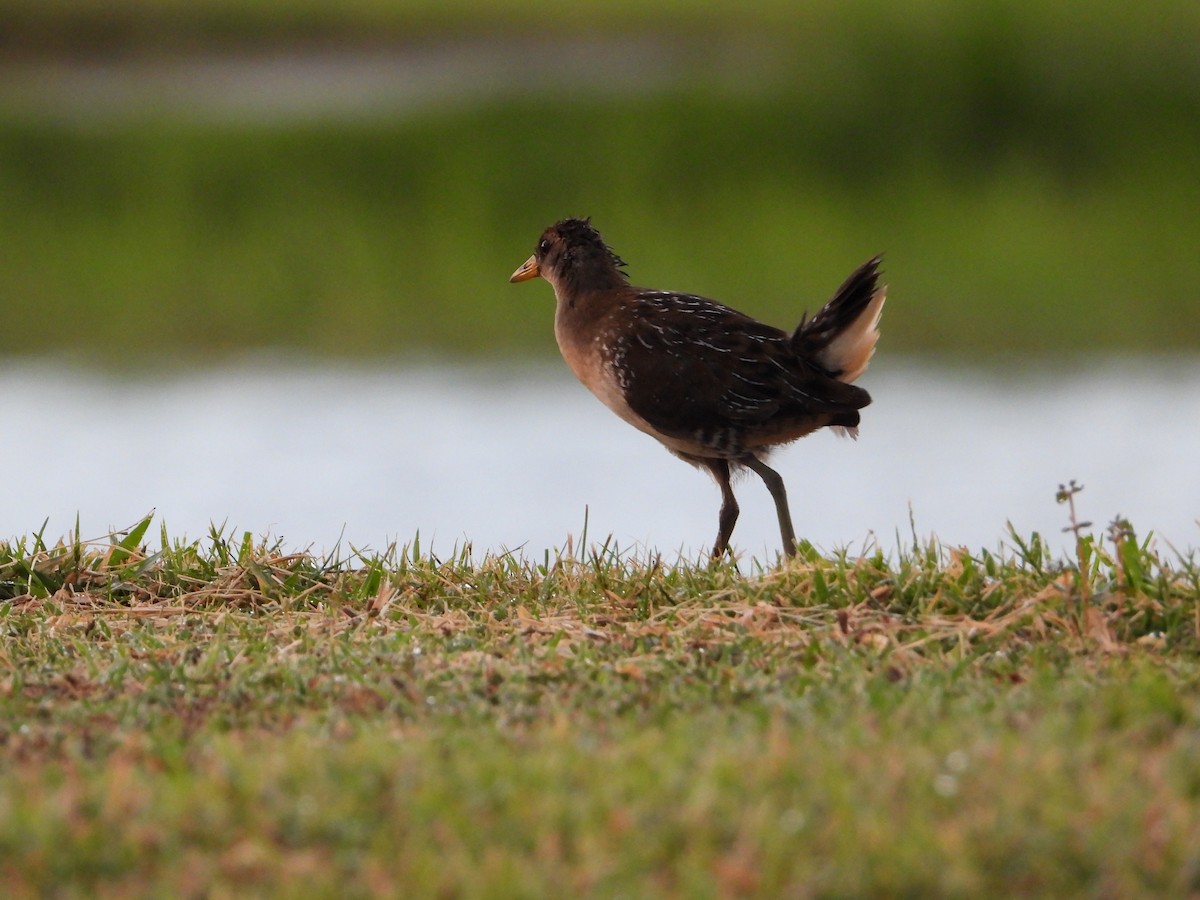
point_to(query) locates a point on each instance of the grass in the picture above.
(1027, 168)
(370, 240)
(151, 25)
(227, 716)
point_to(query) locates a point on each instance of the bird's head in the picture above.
(572, 256)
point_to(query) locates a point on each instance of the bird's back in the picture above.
(717, 381)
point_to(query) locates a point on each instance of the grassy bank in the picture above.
(383, 239)
(227, 716)
(149, 25)
(1029, 171)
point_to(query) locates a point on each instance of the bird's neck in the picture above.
(590, 275)
(581, 307)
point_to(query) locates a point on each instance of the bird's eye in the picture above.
(544, 246)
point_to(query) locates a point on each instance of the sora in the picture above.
(718, 388)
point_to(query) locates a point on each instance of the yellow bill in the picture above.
(529, 269)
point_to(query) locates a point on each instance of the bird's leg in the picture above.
(774, 484)
(729, 506)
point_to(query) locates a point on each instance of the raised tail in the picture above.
(841, 337)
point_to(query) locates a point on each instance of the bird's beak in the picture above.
(529, 269)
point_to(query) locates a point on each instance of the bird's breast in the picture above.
(593, 354)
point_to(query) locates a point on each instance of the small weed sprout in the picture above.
(1084, 543)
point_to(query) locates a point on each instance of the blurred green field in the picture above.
(1030, 173)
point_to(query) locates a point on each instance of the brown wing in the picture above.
(694, 368)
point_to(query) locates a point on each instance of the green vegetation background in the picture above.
(1030, 171)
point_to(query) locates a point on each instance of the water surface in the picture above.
(505, 457)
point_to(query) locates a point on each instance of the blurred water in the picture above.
(507, 457)
(307, 84)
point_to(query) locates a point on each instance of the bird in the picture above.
(718, 388)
